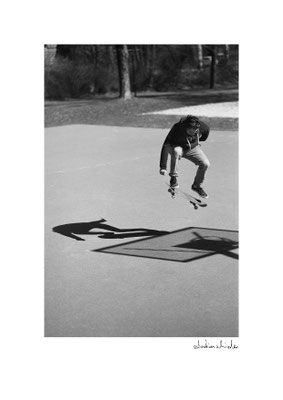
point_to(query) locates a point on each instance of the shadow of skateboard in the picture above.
(196, 203)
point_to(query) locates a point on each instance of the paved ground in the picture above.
(103, 191)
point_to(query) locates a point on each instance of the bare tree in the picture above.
(227, 52)
(123, 70)
(212, 51)
(200, 57)
(213, 67)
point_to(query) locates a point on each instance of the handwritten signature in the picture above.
(220, 345)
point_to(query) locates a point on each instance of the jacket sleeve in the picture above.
(171, 137)
(163, 157)
(204, 130)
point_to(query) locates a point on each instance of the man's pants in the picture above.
(196, 155)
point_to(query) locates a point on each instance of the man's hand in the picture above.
(197, 138)
(193, 140)
(188, 146)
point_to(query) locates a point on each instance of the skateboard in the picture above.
(193, 200)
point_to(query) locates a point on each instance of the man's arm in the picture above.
(204, 131)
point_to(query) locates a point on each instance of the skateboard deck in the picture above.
(193, 200)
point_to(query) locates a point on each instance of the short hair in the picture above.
(191, 121)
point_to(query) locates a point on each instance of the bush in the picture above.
(227, 73)
(69, 79)
(200, 78)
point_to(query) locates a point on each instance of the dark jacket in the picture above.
(179, 137)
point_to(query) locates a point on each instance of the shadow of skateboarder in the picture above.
(72, 230)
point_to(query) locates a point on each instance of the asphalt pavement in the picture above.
(124, 259)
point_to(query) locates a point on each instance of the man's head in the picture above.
(192, 122)
(192, 125)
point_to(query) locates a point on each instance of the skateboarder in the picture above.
(183, 141)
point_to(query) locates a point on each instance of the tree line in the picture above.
(127, 69)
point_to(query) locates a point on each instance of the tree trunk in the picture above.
(150, 63)
(227, 52)
(153, 58)
(137, 55)
(123, 69)
(200, 57)
(49, 53)
(111, 55)
(213, 67)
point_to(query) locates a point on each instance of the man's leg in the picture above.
(176, 154)
(198, 157)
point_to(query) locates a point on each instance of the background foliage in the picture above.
(73, 71)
